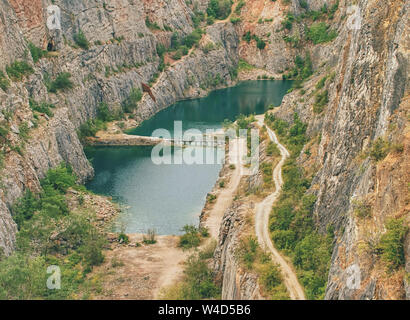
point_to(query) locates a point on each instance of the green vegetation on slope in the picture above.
(219, 9)
(292, 223)
(18, 70)
(391, 243)
(42, 107)
(198, 280)
(36, 53)
(252, 257)
(192, 236)
(50, 235)
(62, 82)
(303, 69)
(4, 82)
(81, 40)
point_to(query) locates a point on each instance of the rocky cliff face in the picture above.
(122, 55)
(237, 284)
(368, 99)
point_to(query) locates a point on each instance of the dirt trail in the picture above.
(263, 210)
(139, 273)
(225, 198)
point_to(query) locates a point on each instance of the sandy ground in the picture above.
(139, 273)
(263, 210)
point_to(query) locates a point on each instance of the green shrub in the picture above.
(4, 82)
(239, 6)
(235, 20)
(321, 100)
(303, 4)
(211, 198)
(362, 209)
(198, 18)
(18, 70)
(151, 25)
(90, 128)
(318, 33)
(260, 44)
(123, 238)
(379, 149)
(272, 149)
(198, 282)
(92, 251)
(392, 243)
(247, 37)
(22, 277)
(191, 238)
(81, 40)
(321, 83)
(208, 47)
(248, 251)
(60, 178)
(105, 114)
(150, 238)
(192, 39)
(303, 69)
(288, 22)
(270, 276)
(219, 9)
(36, 53)
(62, 82)
(25, 207)
(42, 107)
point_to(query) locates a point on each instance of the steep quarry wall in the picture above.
(368, 99)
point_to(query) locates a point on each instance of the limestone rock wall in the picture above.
(368, 99)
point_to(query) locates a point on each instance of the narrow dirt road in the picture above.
(263, 210)
(225, 198)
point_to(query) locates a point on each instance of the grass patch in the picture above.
(362, 209)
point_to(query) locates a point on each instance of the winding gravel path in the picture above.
(263, 210)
